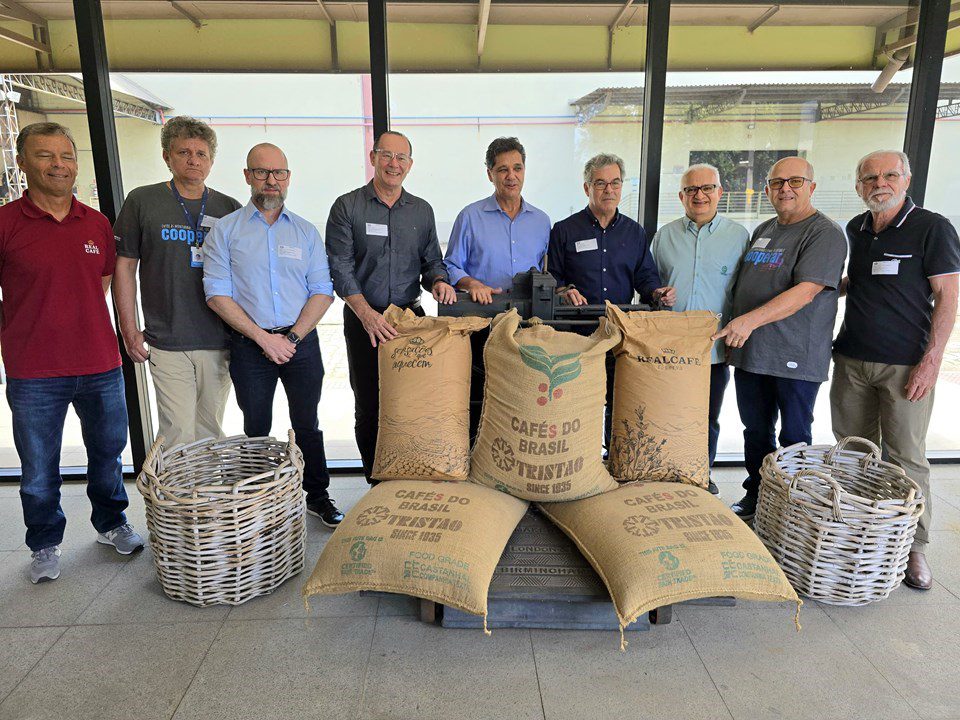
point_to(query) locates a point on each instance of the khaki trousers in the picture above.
(192, 388)
(868, 400)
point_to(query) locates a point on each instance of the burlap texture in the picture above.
(424, 431)
(542, 423)
(435, 540)
(661, 396)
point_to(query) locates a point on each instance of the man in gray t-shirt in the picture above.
(162, 227)
(784, 307)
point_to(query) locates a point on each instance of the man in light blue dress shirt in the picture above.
(265, 273)
(495, 238)
(699, 255)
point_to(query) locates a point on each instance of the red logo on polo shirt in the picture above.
(91, 247)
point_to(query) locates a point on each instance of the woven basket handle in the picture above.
(154, 455)
(293, 451)
(874, 453)
(835, 488)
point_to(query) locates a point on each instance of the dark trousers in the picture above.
(39, 408)
(365, 382)
(478, 378)
(719, 378)
(611, 364)
(760, 399)
(255, 383)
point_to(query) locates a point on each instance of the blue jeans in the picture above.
(760, 398)
(39, 408)
(255, 383)
(719, 377)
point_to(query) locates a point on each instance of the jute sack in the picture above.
(542, 422)
(654, 544)
(661, 396)
(435, 540)
(424, 429)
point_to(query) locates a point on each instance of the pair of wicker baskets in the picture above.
(226, 517)
(840, 523)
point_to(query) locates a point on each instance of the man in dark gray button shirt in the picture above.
(382, 243)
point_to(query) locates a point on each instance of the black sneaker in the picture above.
(746, 507)
(326, 511)
(712, 487)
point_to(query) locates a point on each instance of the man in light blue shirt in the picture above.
(699, 255)
(265, 273)
(495, 238)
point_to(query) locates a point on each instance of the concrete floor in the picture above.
(103, 642)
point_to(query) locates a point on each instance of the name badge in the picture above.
(377, 229)
(208, 222)
(290, 251)
(584, 245)
(886, 267)
(196, 256)
(761, 243)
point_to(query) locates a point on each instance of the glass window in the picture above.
(296, 76)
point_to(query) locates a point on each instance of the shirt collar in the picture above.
(491, 205)
(692, 225)
(592, 219)
(371, 194)
(898, 220)
(250, 211)
(30, 209)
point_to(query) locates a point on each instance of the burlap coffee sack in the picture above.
(424, 431)
(655, 544)
(434, 540)
(542, 423)
(661, 396)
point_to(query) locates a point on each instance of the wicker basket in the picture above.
(840, 523)
(226, 517)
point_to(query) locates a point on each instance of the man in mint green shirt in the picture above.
(699, 255)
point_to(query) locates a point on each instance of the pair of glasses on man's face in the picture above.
(279, 174)
(388, 156)
(692, 190)
(795, 182)
(603, 184)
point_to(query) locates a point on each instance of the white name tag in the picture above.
(761, 243)
(208, 222)
(584, 245)
(289, 251)
(196, 256)
(886, 267)
(376, 229)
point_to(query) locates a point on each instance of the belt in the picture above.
(279, 330)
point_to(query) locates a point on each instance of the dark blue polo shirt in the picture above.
(603, 263)
(889, 299)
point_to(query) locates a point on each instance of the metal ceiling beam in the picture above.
(912, 40)
(324, 12)
(50, 85)
(771, 11)
(24, 40)
(483, 19)
(16, 11)
(951, 109)
(186, 13)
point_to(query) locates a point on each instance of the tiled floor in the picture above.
(103, 642)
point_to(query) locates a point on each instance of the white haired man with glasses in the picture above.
(784, 307)
(699, 256)
(901, 288)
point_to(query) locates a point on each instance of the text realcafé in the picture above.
(669, 360)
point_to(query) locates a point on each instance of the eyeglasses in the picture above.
(603, 184)
(795, 182)
(279, 174)
(692, 190)
(890, 177)
(388, 156)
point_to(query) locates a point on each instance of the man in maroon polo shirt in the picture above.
(59, 347)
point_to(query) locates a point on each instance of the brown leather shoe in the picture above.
(918, 573)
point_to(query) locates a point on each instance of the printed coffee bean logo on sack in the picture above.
(558, 369)
(669, 359)
(374, 515)
(358, 551)
(669, 560)
(502, 454)
(413, 354)
(641, 526)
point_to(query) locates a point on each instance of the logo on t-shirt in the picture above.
(764, 259)
(90, 247)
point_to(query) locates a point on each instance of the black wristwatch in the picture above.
(294, 338)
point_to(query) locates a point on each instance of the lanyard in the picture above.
(194, 224)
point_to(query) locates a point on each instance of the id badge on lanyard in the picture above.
(196, 242)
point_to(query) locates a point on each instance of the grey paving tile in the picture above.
(946, 513)
(943, 555)
(659, 676)
(432, 673)
(763, 668)
(134, 595)
(393, 605)
(112, 672)
(914, 647)
(12, 528)
(85, 571)
(22, 648)
(281, 669)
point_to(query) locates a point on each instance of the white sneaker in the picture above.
(46, 565)
(124, 538)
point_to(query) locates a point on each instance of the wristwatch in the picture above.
(294, 338)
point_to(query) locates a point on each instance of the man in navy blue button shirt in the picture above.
(600, 254)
